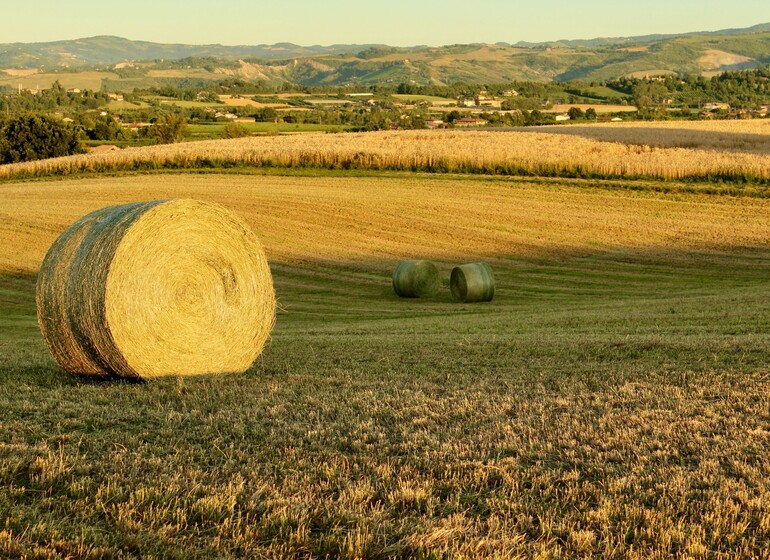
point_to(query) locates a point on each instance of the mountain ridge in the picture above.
(123, 63)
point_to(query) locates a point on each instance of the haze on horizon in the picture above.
(399, 23)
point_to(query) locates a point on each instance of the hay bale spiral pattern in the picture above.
(413, 279)
(473, 282)
(143, 290)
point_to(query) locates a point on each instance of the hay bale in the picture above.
(142, 290)
(472, 283)
(413, 279)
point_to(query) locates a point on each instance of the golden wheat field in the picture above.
(694, 151)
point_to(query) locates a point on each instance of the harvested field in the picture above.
(506, 217)
(35, 80)
(611, 401)
(231, 101)
(596, 107)
(749, 136)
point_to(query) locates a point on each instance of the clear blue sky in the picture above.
(395, 22)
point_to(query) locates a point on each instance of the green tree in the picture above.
(575, 113)
(452, 116)
(235, 130)
(591, 114)
(31, 137)
(104, 128)
(268, 114)
(167, 129)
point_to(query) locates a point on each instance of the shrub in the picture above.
(33, 137)
(235, 130)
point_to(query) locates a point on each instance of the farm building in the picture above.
(470, 121)
(103, 149)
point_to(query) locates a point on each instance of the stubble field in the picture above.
(612, 401)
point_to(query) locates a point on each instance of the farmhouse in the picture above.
(135, 125)
(560, 118)
(470, 121)
(103, 149)
(225, 115)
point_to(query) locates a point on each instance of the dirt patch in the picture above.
(20, 73)
(713, 59)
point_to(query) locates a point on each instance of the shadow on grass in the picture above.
(562, 310)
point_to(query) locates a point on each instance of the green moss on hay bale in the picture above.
(142, 290)
(473, 282)
(413, 279)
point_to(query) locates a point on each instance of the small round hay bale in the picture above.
(413, 279)
(143, 290)
(471, 283)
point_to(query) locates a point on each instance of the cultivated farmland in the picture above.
(679, 153)
(612, 401)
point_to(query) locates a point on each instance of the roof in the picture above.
(103, 148)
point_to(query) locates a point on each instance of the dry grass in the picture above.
(608, 153)
(447, 218)
(745, 137)
(612, 402)
(563, 108)
(84, 80)
(231, 101)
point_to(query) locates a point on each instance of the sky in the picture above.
(395, 22)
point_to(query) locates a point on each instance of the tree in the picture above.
(31, 137)
(575, 113)
(533, 117)
(268, 114)
(167, 130)
(104, 128)
(235, 130)
(591, 114)
(452, 116)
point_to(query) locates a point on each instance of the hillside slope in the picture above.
(337, 65)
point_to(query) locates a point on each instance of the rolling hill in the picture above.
(137, 63)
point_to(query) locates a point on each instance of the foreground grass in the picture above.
(611, 402)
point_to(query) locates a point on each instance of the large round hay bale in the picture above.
(142, 290)
(472, 283)
(414, 279)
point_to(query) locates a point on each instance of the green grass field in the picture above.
(211, 131)
(607, 93)
(613, 401)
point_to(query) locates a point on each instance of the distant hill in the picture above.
(119, 63)
(112, 50)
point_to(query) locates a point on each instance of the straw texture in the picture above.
(413, 279)
(148, 289)
(473, 282)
